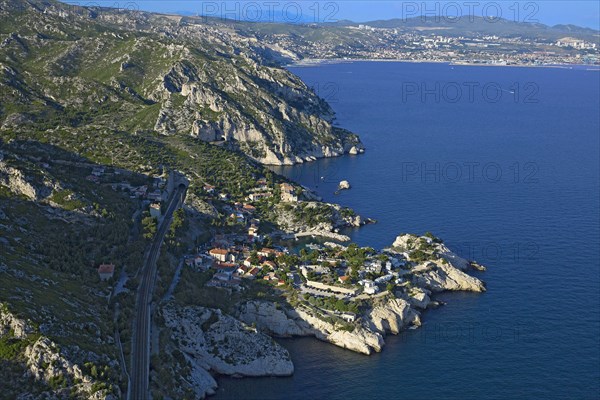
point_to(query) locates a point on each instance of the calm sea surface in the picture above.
(503, 164)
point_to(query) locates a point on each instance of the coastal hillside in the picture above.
(72, 70)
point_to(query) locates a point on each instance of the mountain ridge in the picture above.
(162, 76)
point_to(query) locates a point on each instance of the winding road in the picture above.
(140, 346)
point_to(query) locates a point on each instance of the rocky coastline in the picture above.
(388, 313)
(240, 344)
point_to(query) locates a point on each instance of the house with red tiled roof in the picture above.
(270, 264)
(225, 265)
(209, 189)
(262, 184)
(249, 208)
(106, 271)
(219, 254)
(252, 273)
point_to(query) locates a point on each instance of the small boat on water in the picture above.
(313, 246)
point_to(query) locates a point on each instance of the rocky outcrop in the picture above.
(199, 379)
(275, 118)
(199, 207)
(213, 341)
(322, 234)
(45, 362)
(19, 184)
(419, 298)
(10, 324)
(441, 277)
(272, 319)
(361, 340)
(444, 270)
(303, 322)
(393, 316)
(312, 218)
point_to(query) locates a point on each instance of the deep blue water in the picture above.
(513, 184)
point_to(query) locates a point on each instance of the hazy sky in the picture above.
(550, 12)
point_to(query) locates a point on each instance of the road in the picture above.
(140, 346)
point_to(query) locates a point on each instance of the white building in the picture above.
(384, 279)
(369, 287)
(348, 317)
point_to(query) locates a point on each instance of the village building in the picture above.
(252, 273)
(219, 254)
(288, 193)
(384, 279)
(369, 287)
(336, 289)
(265, 252)
(259, 196)
(253, 230)
(262, 184)
(238, 217)
(106, 271)
(374, 267)
(249, 208)
(225, 266)
(348, 316)
(209, 189)
(270, 264)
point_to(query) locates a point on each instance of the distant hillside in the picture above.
(470, 25)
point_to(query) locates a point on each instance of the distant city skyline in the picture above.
(549, 12)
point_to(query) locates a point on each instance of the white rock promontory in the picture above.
(219, 343)
(300, 322)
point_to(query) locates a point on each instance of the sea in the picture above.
(503, 164)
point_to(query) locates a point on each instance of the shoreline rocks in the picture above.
(290, 322)
(215, 342)
(325, 234)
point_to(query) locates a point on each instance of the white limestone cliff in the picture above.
(218, 343)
